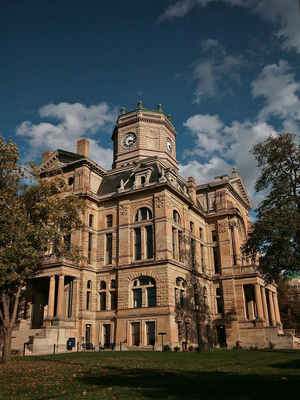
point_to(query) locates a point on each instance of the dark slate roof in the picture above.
(111, 183)
(67, 156)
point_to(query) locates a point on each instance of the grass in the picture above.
(243, 375)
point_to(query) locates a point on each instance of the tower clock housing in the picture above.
(144, 133)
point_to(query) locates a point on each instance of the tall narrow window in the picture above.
(151, 295)
(109, 221)
(137, 298)
(233, 244)
(216, 260)
(180, 246)
(149, 239)
(174, 233)
(150, 329)
(102, 301)
(91, 220)
(109, 240)
(113, 300)
(136, 333)
(193, 258)
(88, 300)
(200, 233)
(138, 244)
(219, 298)
(90, 247)
(202, 257)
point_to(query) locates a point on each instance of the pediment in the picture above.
(239, 186)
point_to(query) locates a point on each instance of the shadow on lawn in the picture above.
(293, 364)
(150, 383)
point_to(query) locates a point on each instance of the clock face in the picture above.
(169, 145)
(129, 139)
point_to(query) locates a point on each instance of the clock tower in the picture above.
(144, 133)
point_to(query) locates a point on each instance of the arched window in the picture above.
(177, 237)
(144, 292)
(143, 214)
(176, 217)
(89, 284)
(180, 292)
(143, 235)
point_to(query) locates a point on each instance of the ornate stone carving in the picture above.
(159, 202)
(223, 227)
(123, 210)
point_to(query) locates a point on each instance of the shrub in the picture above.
(166, 348)
(176, 348)
(191, 348)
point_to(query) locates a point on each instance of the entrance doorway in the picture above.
(106, 334)
(136, 333)
(88, 334)
(221, 335)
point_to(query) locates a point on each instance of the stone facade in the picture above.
(149, 233)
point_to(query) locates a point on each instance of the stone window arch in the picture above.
(143, 235)
(143, 214)
(143, 292)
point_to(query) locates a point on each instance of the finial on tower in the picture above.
(140, 105)
(235, 172)
(123, 110)
(159, 108)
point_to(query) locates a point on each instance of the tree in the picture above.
(276, 233)
(33, 217)
(289, 304)
(192, 314)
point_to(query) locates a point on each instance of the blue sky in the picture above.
(228, 72)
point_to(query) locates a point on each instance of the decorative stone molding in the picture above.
(123, 210)
(159, 202)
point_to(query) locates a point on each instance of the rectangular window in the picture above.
(182, 298)
(149, 240)
(233, 245)
(180, 246)
(202, 257)
(109, 221)
(193, 259)
(174, 232)
(91, 220)
(102, 301)
(136, 333)
(109, 240)
(138, 244)
(88, 300)
(150, 330)
(151, 295)
(201, 233)
(220, 304)
(113, 300)
(137, 298)
(216, 260)
(90, 247)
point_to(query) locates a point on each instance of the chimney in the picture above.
(192, 189)
(46, 155)
(83, 147)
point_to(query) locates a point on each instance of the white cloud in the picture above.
(220, 147)
(284, 14)
(277, 84)
(72, 121)
(215, 68)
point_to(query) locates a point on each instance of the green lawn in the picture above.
(243, 375)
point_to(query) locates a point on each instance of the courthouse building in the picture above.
(149, 235)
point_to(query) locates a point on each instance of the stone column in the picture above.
(266, 313)
(258, 301)
(276, 307)
(60, 296)
(250, 306)
(51, 297)
(272, 310)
